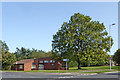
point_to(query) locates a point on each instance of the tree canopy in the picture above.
(24, 53)
(81, 39)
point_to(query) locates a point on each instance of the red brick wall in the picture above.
(28, 66)
(49, 66)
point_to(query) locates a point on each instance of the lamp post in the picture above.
(110, 41)
(16, 66)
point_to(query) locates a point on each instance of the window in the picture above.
(33, 66)
(58, 62)
(40, 61)
(45, 61)
(51, 61)
(21, 66)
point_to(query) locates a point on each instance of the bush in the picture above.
(116, 57)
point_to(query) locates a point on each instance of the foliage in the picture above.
(116, 57)
(83, 40)
(3, 47)
(7, 58)
(73, 64)
(24, 53)
(40, 54)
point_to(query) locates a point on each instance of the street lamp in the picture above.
(16, 66)
(110, 41)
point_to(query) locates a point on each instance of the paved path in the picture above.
(52, 75)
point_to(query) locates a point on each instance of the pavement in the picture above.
(58, 75)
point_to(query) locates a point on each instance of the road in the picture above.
(57, 75)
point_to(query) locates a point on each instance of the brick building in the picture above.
(46, 63)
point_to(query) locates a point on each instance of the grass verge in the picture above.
(98, 72)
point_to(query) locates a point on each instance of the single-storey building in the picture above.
(46, 63)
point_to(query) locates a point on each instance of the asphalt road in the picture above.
(57, 75)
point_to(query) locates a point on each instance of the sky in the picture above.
(33, 24)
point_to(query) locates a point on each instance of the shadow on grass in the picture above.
(113, 74)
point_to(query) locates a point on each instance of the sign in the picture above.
(66, 60)
(33, 63)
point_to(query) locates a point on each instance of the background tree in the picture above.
(0, 54)
(21, 53)
(40, 53)
(24, 53)
(4, 47)
(7, 58)
(116, 57)
(81, 39)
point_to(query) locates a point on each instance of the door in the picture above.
(41, 66)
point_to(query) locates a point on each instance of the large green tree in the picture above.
(81, 39)
(116, 57)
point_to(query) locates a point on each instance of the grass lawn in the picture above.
(100, 69)
(97, 72)
(11, 71)
(96, 68)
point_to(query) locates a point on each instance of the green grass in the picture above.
(12, 71)
(96, 68)
(55, 71)
(97, 72)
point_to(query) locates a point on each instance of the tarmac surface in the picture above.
(57, 75)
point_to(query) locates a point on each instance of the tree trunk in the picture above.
(79, 67)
